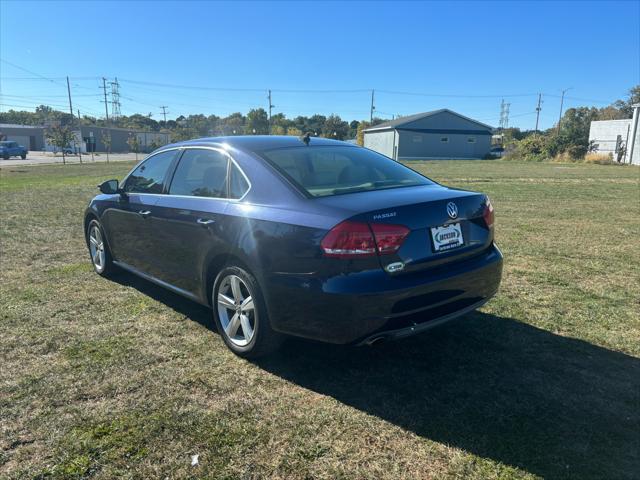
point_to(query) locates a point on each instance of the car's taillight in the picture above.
(488, 215)
(389, 238)
(356, 239)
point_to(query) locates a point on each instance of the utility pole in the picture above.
(106, 109)
(164, 114)
(561, 105)
(373, 107)
(72, 118)
(538, 108)
(271, 105)
(69, 93)
(106, 113)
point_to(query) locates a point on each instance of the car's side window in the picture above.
(238, 184)
(201, 173)
(149, 177)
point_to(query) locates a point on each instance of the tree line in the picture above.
(570, 139)
(255, 122)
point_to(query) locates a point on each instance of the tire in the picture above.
(23, 156)
(99, 252)
(251, 336)
(5, 157)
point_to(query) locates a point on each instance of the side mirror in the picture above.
(109, 187)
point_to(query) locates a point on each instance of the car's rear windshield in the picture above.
(322, 171)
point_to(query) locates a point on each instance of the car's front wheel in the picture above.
(23, 156)
(98, 249)
(240, 314)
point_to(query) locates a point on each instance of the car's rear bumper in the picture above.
(360, 307)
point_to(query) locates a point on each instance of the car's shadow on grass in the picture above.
(496, 387)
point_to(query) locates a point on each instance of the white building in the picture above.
(612, 136)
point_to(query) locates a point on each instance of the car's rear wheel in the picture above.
(23, 156)
(98, 249)
(5, 157)
(240, 314)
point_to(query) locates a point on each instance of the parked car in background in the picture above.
(10, 149)
(309, 237)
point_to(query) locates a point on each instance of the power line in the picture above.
(31, 72)
(192, 87)
(394, 92)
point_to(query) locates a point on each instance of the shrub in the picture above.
(534, 148)
(601, 158)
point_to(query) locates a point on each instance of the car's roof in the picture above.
(259, 143)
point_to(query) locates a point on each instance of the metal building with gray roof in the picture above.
(440, 134)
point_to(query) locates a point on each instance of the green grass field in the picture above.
(119, 378)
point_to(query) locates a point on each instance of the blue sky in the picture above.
(321, 57)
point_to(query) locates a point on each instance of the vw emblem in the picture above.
(452, 210)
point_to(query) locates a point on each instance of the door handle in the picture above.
(205, 222)
(144, 213)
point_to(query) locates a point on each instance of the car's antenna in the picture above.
(306, 138)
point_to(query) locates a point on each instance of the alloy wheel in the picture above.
(236, 310)
(96, 248)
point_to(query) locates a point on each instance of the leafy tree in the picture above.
(277, 130)
(293, 131)
(134, 144)
(257, 122)
(106, 140)
(334, 127)
(533, 148)
(353, 128)
(315, 124)
(231, 125)
(362, 126)
(60, 137)
(625, 106)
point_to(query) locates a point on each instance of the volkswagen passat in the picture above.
(298, 236)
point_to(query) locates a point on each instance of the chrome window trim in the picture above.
(191, 147)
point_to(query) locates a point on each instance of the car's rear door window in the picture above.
(150, 176)
(201, 173)
(333, 170)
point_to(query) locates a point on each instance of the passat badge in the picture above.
(452, 210)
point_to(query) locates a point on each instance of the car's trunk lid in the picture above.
(424, 210)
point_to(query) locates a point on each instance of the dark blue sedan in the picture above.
(298, 236)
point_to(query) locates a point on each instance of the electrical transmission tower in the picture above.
(504, 115)
(115, 99)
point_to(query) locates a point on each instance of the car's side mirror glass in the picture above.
(109, 187)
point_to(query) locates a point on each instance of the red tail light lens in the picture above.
(488, 215)
(349, 240)
(389, 238)
(358, 239)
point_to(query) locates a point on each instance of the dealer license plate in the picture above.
(447, 237)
